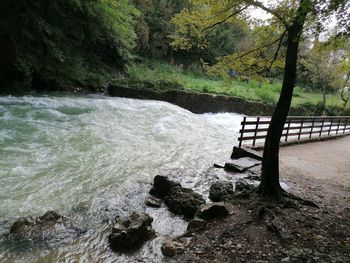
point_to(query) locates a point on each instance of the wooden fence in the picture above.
(254, 129)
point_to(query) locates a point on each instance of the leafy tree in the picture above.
(288, 19)
(321, 68)
(154, 26)
(56, 44)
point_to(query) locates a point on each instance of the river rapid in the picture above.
(92, 158)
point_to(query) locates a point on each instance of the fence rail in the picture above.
(254, 129)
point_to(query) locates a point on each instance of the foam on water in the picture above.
(100, 153)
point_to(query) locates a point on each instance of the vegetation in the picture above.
(307, 99)
(58, 44)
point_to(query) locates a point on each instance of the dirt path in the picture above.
(319, 170)
(327, 160)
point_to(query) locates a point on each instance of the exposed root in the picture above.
(302, 201)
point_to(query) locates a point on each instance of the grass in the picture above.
(251, 90)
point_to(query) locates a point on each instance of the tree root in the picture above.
(304, 202)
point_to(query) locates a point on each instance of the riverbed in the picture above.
(92, 158)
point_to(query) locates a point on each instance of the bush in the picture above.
(266, 96)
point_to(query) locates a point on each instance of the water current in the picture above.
(92, 158)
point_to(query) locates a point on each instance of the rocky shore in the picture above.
(233, 226)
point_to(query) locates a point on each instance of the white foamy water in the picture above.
(92, 158)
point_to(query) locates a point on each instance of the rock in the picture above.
(162, 185)
(245, 152)
(36, 228)
(196, 224)
(234, 168)
(242, 164)
(216, 165)
(130, 232)
(212, 211)
(243, 185)
(183, 201)
(171, 248)
(219, 189)
(153, 202)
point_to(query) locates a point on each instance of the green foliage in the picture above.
(164, 76)
(153, 26)
(72, 42)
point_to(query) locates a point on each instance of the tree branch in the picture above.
(268, 10)
(261, 47)
(225, 19)
(275, 56)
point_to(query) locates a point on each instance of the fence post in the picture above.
(345, 125)
(287, 130)
(242, 131)
(330, 127)
(312, 127)
(321, 127)
(256, 130)
(338, 125)
(301, 128)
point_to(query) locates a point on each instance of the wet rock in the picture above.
(162, 185)
(243, 185)
(212, 211)
(196, 224)
(220, 189)
(36, 227)
(216, 165)
(183, 201)
(245, 152)
(171, 248)
(130, 232)
(242, 164)
(153, 202)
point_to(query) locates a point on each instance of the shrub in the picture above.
(266, 96)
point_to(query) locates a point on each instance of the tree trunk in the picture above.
(345, 98)
(324, 100)
(270, 186)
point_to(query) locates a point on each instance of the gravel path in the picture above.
(319, 171)
(326, 160)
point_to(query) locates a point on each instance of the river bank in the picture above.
(288, 232)
(199, 102)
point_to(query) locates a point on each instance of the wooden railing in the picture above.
(254, 129)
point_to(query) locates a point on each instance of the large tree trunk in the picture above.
(270, 185)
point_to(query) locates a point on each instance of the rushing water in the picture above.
(92, 158)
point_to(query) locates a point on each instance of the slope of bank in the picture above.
(198, 102)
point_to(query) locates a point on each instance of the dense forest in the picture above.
(79, 44)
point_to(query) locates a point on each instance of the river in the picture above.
(94, 157)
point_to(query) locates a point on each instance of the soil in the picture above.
(260, 231)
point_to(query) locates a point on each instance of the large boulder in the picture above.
(219, 189)
(212, 211)
(183, 201)
(162, 185)
(130, 232)
(37, 227)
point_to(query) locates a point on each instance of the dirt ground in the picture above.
(261, 232)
